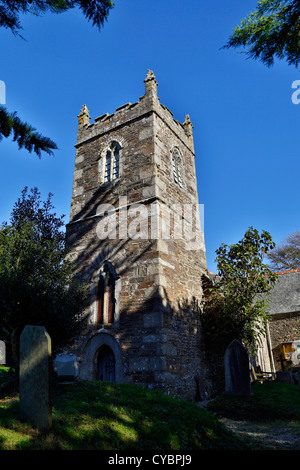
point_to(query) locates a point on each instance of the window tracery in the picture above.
(109, 163)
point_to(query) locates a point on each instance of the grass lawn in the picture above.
(110, 416)
(4, 375)
(271, 401)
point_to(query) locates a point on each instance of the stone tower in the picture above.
(135, 235)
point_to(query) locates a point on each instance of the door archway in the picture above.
(105, 364)
(92, 353)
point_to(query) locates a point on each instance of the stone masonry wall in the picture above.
(284, 328)
(159, 293)
(284, 310)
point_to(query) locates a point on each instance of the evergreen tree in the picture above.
(24, 134)
(36, 279)
(271, 31)
(96, 11)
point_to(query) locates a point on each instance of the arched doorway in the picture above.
(97, 352)
(106, 364)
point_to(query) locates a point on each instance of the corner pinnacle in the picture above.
(84, 116)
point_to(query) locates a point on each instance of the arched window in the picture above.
(109, 164)
(100, 300)
(177, 166)
(106, 295)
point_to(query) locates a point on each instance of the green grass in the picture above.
(110, 416)
(4, 374)
(270, 401)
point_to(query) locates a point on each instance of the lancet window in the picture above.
(177, 166)
(106, 295)
(109, 164)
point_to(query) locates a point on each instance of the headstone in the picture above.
(2, 352)
(202, 388)
(297, 374)
(66, 367)
(285, 376)
(35, 396)
(237, 375)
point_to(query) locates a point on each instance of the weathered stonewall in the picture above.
(145, 282)
(35, 396)
(237, 376)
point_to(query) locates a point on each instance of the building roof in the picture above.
(285, 297)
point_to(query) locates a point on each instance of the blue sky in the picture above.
(246, 127)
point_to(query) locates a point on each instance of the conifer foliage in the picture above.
(24, 134)
(95, 11)
(271, 31)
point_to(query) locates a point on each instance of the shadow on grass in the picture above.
(106, 416)
(270, 401)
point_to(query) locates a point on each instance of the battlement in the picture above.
(147, 104)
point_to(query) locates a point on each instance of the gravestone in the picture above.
(35, 396)
(237, 375)
(202, 388)
(2, 352)
(297, 374)
(66, 367)
(285, 376)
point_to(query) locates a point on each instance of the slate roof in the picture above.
(285, 297)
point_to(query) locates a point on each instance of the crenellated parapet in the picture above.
(148, 103)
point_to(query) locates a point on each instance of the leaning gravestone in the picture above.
(237, 376)
(35, 396)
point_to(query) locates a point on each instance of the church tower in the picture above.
(135, 235)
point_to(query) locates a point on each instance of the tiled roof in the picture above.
(296, 270)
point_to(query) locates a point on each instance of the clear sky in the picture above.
(246, 128)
